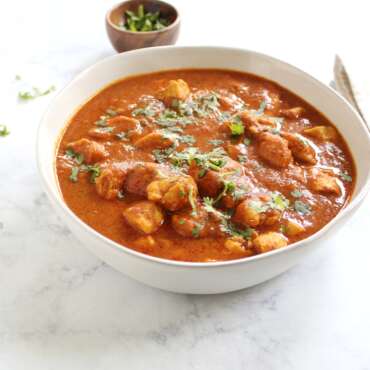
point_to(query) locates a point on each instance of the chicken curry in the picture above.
(203, 165)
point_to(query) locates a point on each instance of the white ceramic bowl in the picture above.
(186, 277)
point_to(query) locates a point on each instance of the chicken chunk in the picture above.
(236, 245)
(173, 193)
(91, 150)
(145, 243)
(269, 241)
(293, 228)
(324, 183)
(247, 215)
(300, 147)
(191, 224)
(237, 151)
(255, 211)
(145, 217)
(176, 89)
(110, 182)
(211, 183)
(324, 133)
(140, 176)
(274, 150)
(251, 124)
(295, 112)
(155, 140)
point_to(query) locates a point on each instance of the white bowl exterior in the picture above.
(198, 277)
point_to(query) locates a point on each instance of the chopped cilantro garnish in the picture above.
(279, 201)
(102, 121)
(195, 232)
(216, 142)
(111, 112)
(146, 111)
(35, 93)
(345, 176)
(229, 187)
(262, 107)
(74, 174)
(187, 139)
(301, 207)
(175, 129)
(4, 131)
(247, 141)
(236, 126)
(242, 158)
(181, 193)
(144, 21)
(77, 157)
(202, 172)
(229, 228)
(226, 225)
(181, 221)
(161, 155)
(94, 171)
(296, 193)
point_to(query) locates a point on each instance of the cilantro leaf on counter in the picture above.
(34, 93)
(4, 131)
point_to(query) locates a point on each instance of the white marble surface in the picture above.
(61, 308)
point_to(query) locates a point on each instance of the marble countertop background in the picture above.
(61, 308)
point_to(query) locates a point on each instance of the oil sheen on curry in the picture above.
(203, 165)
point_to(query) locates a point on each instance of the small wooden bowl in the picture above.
(124, 40)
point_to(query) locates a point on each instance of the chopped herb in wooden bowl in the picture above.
(143, 21)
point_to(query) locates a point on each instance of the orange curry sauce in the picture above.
(203, 165)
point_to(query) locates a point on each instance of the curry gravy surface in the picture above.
(295, 194)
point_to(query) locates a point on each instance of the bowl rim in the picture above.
(142, 34)
(353, 203)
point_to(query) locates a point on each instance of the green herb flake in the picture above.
(247, 141)
(181, 221)
(4, 131)
(143, 21)
(74, 174)
(187, 139)
(242, 158)
(111, 112)
(345, 176)
(102, 121)
(202, 172)
(301, 207)
(34, 93)
(296, 193)
(146, 111)
(279, 201)
(236, 126)
(195, 232)
(262, 107)
(77, 157)
(216, 142)
(94, 171)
